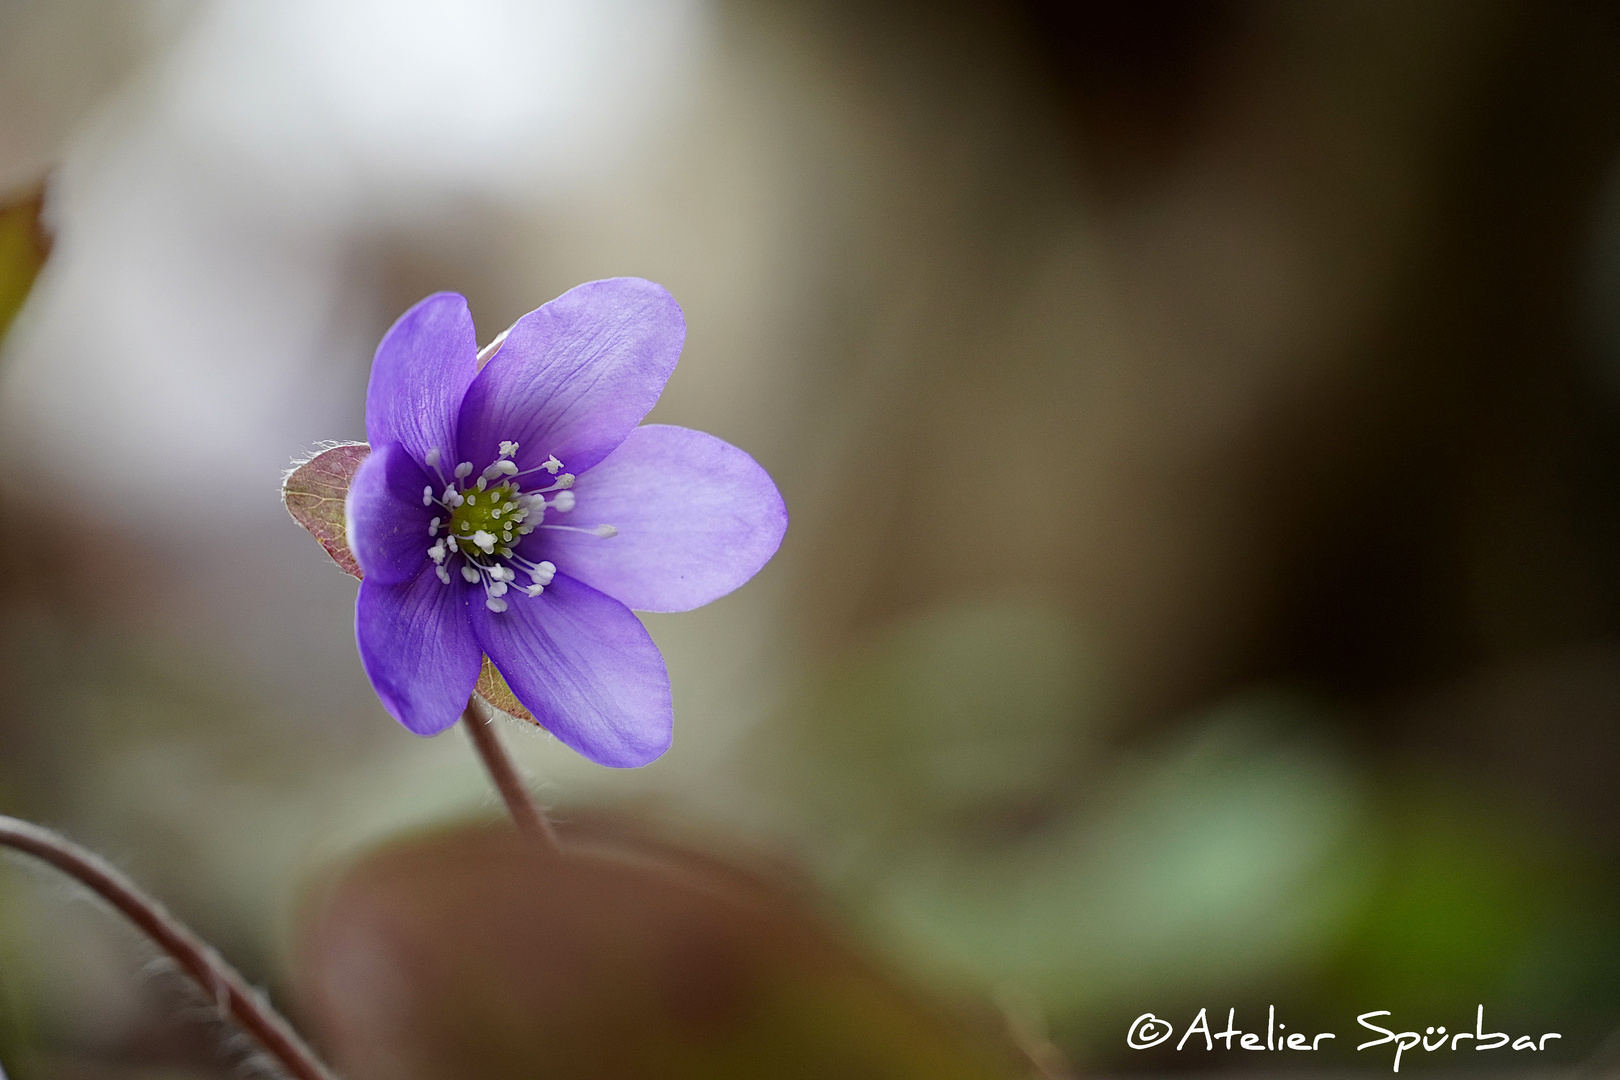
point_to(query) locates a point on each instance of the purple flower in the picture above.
(518, 511)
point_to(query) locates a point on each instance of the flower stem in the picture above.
(217, 979)
(527, 814)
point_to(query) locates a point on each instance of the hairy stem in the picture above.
(527, 814)
(218, 980)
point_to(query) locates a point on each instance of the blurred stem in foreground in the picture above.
(218, 980)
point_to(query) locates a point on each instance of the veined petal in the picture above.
(419, 375)
(574, 377)
(585, 667)
(418, 649)
(696, 516)
(387, 523)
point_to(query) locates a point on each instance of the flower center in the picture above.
(494, 511)
(486, 519)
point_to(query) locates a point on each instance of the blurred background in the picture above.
(1200, 421)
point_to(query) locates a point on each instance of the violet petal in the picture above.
(419, 376)
(418, 649)
(574, 377)
(696, 516)
(585, 667)
(387, 523)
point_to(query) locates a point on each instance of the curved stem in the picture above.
(527, 814)
(218, 979)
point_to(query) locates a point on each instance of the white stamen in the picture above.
(566, 480)
(436, 552)
(444, 575)
(433, 527)
(470, 574)
(542, 573)
(535, 590)
(433, 458)
(551, 465)
(604, 531)
(495, 603)
(464, 470)
(501, 468)
(564, 501)
(427, 495)
(484, 540)
(508, 448)
(498, 589)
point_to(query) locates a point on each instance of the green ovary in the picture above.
(493, 511)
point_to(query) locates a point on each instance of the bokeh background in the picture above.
(1200, 421)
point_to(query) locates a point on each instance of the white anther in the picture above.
(566, 480)
(436, 552)
(499, 573)
(498, 589)
(552, 465)
(427, 495)
(495, 603)
(444, 575)
(484, 540)
(542, 573)
(564, 501)
(433, 458)
(433, 527)
(453, 497)
(464, 470)
(535, 590)
(508, 448)
(470, 574)
(605, 531)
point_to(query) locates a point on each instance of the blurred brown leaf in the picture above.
(463, 954)
(24, 246)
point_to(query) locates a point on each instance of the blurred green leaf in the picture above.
(24, 246)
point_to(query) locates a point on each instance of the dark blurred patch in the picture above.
(1134, 72)
(461, 953)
